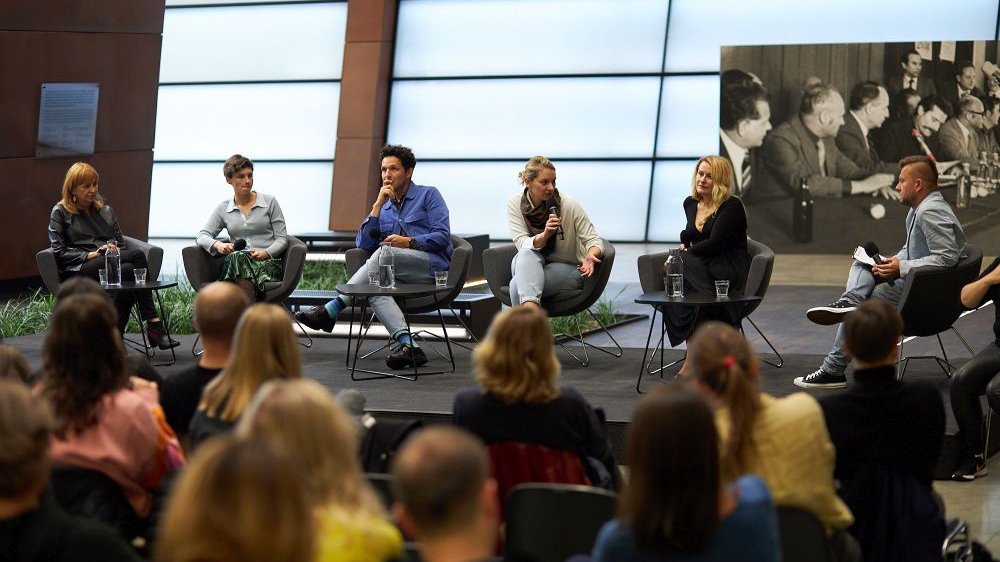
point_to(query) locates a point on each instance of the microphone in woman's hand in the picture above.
(554, 210)
(239, 244)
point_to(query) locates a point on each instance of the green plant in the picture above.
(27, 315)
(322, 275)
(604, 309)
(178, 308)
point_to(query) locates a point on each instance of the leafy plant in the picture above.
(604, 309)
(178, 309)
(27, 315)
(322, 275)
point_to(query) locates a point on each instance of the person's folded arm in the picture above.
(369, 234)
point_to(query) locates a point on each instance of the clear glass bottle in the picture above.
(113, 263)
(673, 270)
(386, 273)
(964, 183)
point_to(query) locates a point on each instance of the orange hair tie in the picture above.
(729, 361)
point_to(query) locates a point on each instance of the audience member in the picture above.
(302, 417)
(264, 348)
(715, 243)
(888, 438)
(959, 136)
(238, 501)
(32, 527)
(977, 377)
(217, 310)
(933, 237)
(411, 219)
(13, 365)
(675, 506)
(557, 245)
(519, 399)
(257, 220)
(803, 149)
(916, 135)
(81, 227)
(783, 440)
(869, 108)
(911, 64)
(745, 119)
(105, 421)
(445, 497)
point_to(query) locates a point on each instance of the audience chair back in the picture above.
(382, 485)
(48, 267)
(458, 273)
(551, 522)
(931, 301)
(513, 463)
(93, 495)
(803, 538)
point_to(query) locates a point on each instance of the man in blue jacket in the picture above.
(413, 220)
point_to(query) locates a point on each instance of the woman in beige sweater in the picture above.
(556, 242)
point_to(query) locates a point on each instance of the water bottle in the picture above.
(962, 194)
(113, 263)
(386, 276)
(674, 269)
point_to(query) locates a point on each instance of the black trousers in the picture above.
(972, 380)
(131, 259)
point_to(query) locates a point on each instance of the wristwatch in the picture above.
(412, 244)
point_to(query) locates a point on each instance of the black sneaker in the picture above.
(970, 469)
(316, 318)
(402, 358)
(821, 379)
(832, 313)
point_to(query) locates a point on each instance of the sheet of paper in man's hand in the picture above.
(863, 257)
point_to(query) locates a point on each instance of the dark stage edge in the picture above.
(608, 383)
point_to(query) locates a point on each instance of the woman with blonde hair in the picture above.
(783, 440)
(264, 348)
(714, 244)
(519, 399)
(556, 242)
(81, 227)
(237, 501)
(302, 417)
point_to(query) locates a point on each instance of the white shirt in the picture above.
(864, 130)
(736, 154)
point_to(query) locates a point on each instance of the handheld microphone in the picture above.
(239, 244)
(872, 250)
(554, 210)
(923, 145)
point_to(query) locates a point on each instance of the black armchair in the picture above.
(48, 267)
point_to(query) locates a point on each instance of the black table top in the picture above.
(133, 286)
(659, 298)
(401, 290)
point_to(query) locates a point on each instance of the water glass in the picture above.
(373, 277)
(440, 278)
(103, 274)
(140, 275)
(722, 289)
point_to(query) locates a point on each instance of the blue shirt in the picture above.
(423, 216)
(748, 534)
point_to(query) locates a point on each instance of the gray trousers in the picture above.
(534, 279)
(409, 266)
(861, 286)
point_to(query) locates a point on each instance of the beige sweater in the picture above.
(579, 232)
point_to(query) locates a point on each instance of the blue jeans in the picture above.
(534, 279)
(409, 266)
(861, 286)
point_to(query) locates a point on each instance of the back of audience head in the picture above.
(13, 365)
(217, 310)
(516, 361)
(872, 332)
(78, 285)
(240, 501)
(672, 501)
(264, 348)
(302, 417)
(25, 427)
(724, 367)
(82, 360)
(442, 484)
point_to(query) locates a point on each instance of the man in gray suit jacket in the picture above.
(869, 108)
(959, 136)
(933, 237)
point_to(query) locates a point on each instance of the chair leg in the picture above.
(302, 329)
(899, 359)
(986, 439)
(961, 339)
(781, 360)
(585, 344)
(195, 345)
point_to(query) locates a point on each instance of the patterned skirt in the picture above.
(239, 265)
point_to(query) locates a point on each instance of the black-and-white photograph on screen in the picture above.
(815, 134)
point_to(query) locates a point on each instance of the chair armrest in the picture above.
(650, 268)
(496, 267)
(48, 268)
(200, 266)
(354, 259)
(154, 256)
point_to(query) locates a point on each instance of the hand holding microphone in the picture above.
(554, 212)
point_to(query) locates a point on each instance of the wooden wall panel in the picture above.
(107, 16)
